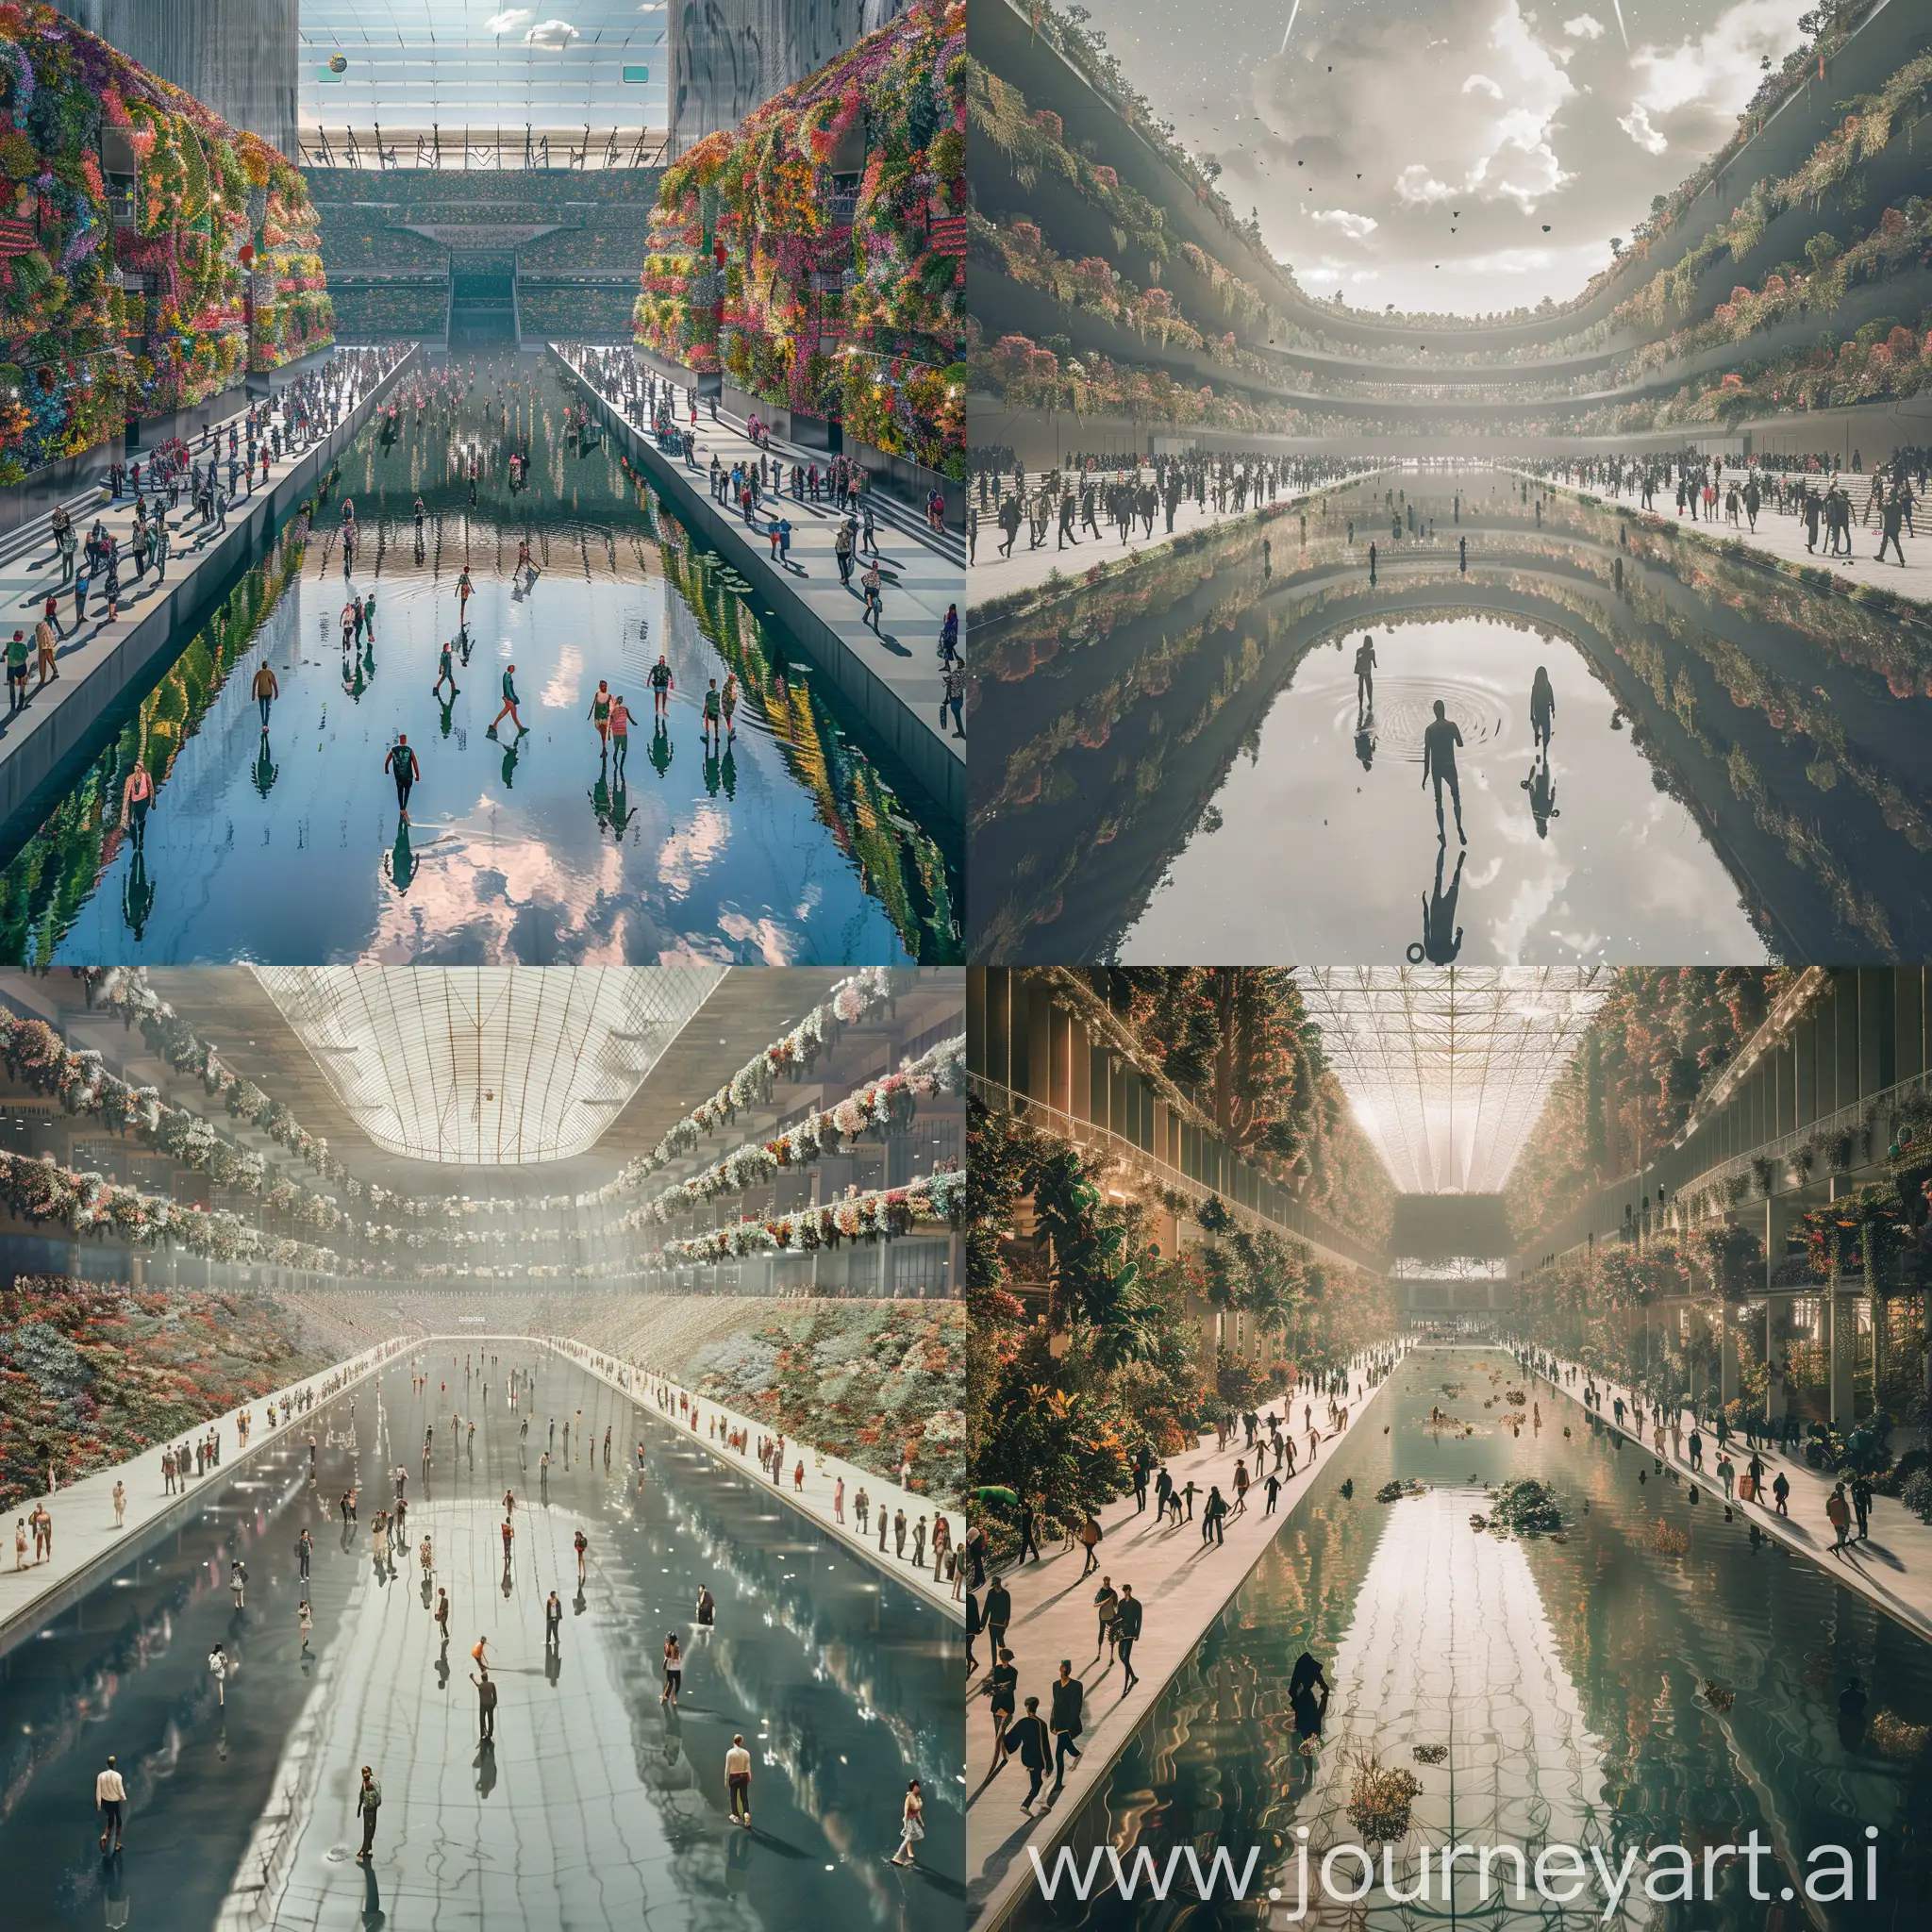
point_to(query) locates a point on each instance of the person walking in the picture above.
(1439, 742)
(1838, 1514)
(674, 1670)
(119, 1504)
(266, 691)
(509, 704)
(1069, 1695)
(111, 1796)
(874, 603)
(582, 1546)
(1089, 1536)
(368, 1802)
(1127, 1632)
(305, 1623)
(401, 764)
(16, 672)
(738, 1782)
(911, 1823)
(305, 1544)
(486, 1707)
(218, 1668)
(1031, 1739)
(47, 649)
(599, 715)
(1862, 1505)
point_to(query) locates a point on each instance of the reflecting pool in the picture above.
(599, 1803)
(790, 843)
(1649, 1676)
(1173, 764)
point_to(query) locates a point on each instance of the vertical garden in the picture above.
(815, 256)
(150, 254)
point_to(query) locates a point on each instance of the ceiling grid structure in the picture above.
(1447, 1068)
(490, 1066)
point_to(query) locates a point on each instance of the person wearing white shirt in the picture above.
(738, 1781)
(110, 1793)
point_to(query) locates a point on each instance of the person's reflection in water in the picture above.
(1441, 937)
(447, 706)
(661, 748)
(1543, 708)
(1851, 1714)
(620, 807)
(137, 894)
(1541, 786)
(402, 867)
(114, 1892)
(485, 1765)
(266, 770)
(1365, 742)
(353, 680)
(711, 773)
(553, 1666)
(510, 753)
(727, 771)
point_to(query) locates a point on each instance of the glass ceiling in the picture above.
(1447, 1067)
(489, 1066)
(476, 63)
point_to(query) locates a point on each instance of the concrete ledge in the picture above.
(40, 742)
(929, 757)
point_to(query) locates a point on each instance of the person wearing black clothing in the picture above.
(1862, 1504)
(1143, 1468)
(486, 1704)
(1029, 1738)
(1002, 1682)
(1303, 1682)
(974, 1624)
(1069, 1694)
(553, 1621)
(1127, 1628)
(1029, 1537)
(999, 1613)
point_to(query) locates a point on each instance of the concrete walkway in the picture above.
(821, 1476)
(1783, 537)
(1184, 1586)
(993, 576)
(99, 660)
(1892, 1566)
(85, 1533)
(893, 679)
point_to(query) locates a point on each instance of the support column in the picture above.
(1728, 1358)
(1775, 1398)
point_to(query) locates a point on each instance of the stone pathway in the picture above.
(1892, 1566)
(920, 575)
(822, 1475)
(83, 1511)
(993, 576)
(1183, 1584)
(1783, 537)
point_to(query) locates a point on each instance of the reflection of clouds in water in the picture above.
(684, 855)
(772, 942)
(565, 685)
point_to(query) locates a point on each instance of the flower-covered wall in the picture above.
(816, 256)
(139, 232)
(289, 311)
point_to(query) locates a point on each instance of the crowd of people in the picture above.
(1123, 490)
(1268, 1446)
(1814, 489)
(207, 477)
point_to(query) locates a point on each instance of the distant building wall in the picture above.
(727, 55)
(237, 57)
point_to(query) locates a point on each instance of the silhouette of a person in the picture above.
(1441, 937)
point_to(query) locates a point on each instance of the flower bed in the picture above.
(883, 1215)
(90, 1373)
(842, 301)
(290, 314)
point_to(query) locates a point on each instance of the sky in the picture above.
(1463, 156)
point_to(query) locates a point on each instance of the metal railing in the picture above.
(1300, 1223)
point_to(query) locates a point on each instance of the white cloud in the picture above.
(1482, 82)
(1584, 27)
(1636, 123)
(1365, 274)
(551, 33)
(1711, 78)
(508, 22)
(1415, 187)
(1355, 226)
